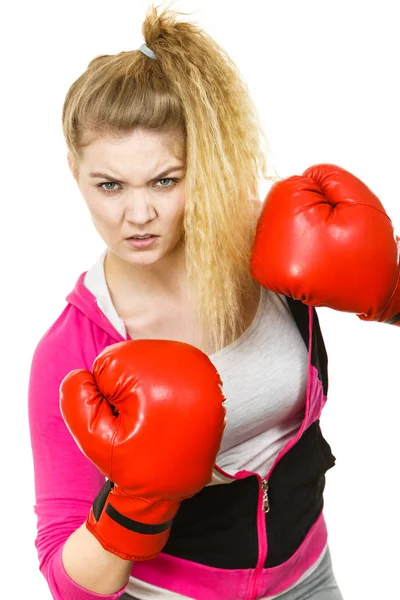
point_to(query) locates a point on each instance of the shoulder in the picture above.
(64, 340)
(72, 342)
(56, 353)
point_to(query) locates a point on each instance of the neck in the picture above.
(167, 277)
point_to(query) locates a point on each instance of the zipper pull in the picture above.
(264, 487)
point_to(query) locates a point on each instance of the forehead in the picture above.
(141, 152)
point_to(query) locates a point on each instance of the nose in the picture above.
(139, 207)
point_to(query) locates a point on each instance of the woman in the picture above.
(165, 144)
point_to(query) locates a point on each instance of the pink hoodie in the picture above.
(67, 482)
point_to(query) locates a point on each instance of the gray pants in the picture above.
(320, 585)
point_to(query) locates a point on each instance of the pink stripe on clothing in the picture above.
(315, 402)
(208, 583)
(315, 396)
(277, 579)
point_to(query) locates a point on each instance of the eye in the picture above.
(174, 182)
(105, 190)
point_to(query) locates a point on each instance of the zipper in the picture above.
(263, 508)
(263, 502)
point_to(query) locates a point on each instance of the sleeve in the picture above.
(66, 482)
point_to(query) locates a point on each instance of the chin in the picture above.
(145, 257)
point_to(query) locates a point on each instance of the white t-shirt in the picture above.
(264, 375)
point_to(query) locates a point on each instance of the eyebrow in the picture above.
(98, 174)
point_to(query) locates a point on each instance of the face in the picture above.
(135, 185)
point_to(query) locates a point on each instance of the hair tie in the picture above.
(147, 51)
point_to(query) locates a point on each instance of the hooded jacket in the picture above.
(253, 538)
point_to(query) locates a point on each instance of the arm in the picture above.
(91, 566)
(66, 482)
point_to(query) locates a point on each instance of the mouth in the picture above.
(146, 236)
(142, 242)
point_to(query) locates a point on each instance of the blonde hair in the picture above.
(194, 87)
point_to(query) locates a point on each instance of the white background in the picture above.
(324, 75)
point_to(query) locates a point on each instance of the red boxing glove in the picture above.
(151, 418)
(324, 238)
